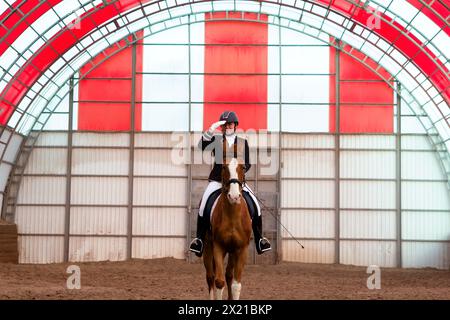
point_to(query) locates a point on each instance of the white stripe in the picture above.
(406, 11)
(29, 36)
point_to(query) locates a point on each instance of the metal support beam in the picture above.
(131, 157)
(68, 175)
(279, 254)
(190, 154)
(337, 146)
(398, 172)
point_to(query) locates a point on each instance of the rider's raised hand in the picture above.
(215, 125)
(208, 135)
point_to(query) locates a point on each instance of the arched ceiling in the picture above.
(43, 42)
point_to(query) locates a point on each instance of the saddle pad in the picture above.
(248, 200)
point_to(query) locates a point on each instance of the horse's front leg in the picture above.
(219, 255)
(209, 266)
(229, 274)
(240, 260)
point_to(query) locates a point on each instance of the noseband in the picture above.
(234, 181)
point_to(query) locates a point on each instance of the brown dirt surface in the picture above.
(162, 279)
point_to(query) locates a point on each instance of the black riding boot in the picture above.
(262, 244)
(197, 244)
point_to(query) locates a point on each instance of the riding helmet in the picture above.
(229, 117)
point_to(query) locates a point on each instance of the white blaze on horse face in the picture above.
(234, 194)
(236, 289)
(219, 293)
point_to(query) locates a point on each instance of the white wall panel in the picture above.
(365, 253)
(159, 221)
(88, 139)
(100, 162)
(368, 224)
(166, 58)
(425, 195)
(99, 190)
(42, 190)
(165, 88)
(290, 141)
(368, 141)
(161, 140)
(426, 225)
(85, 249)
(426, 254)
(307, 194)
(171, 116)
(52, 139)
(153, 248)
(367, 194)
(9, 152)
(41, 249)
(305, 118)
(315, 251)
(308, 223)
(160, 191)
(421, 165)
(308, 164)
(311, 60)
(367, 164)
(5, 170)
(98, 221)
(416, 142)
(158, 162)
(47, 161)
(41, 220)
(301, 89)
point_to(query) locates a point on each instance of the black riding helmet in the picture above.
(229, 117)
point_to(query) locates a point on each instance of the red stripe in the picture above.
(96, 113)
(438, 7)
(243, 91)
(64, 41)
(402, 43)
(355, 116)
(31, 9)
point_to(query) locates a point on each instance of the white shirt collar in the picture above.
(230, 139)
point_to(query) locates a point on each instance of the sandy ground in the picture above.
(162, 279)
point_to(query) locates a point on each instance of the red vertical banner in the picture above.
(236, 69)
(105, 94)
(366, 100)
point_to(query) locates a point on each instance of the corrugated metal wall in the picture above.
(369, 205)
(362, 231)
(100, 206)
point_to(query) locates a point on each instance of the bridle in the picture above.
(229, 182)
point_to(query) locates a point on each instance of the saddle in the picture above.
(213, 197)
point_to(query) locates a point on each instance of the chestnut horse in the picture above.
(231, 228)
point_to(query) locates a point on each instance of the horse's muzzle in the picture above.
(234, 198)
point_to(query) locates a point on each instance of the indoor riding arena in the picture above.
(344, 105)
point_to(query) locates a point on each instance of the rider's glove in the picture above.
(208, 134)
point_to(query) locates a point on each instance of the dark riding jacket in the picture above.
(216, 146)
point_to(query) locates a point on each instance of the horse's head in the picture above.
(233, 180)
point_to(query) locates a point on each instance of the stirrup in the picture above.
(264, 245)
(194, 247)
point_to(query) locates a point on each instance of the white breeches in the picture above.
(213, 186)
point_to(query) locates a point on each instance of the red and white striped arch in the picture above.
(423, 56)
